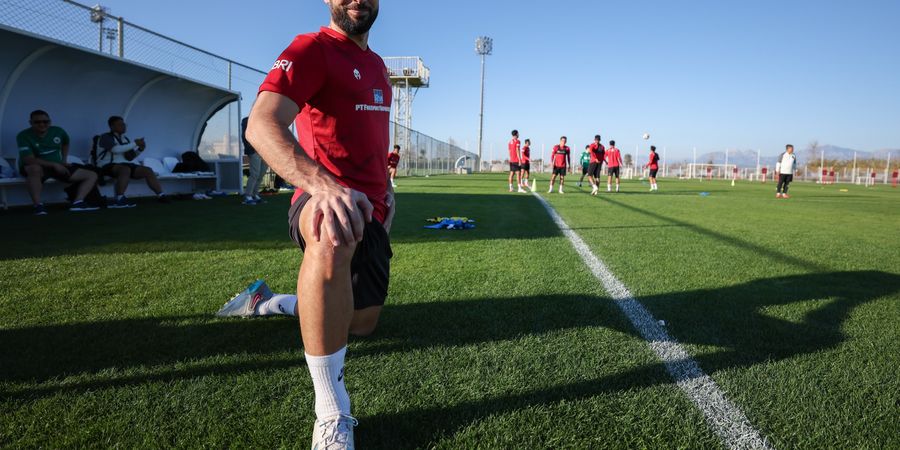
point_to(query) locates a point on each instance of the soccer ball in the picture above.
(646, 136)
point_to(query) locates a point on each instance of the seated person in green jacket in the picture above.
(43, 150)
(115, 153)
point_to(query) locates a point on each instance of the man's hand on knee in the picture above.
(339, 215)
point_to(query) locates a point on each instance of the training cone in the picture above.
(534, 185)
(732, 182)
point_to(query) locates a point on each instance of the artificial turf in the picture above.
(496, 337)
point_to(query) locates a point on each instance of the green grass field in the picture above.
(497, 337)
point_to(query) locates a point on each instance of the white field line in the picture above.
(725, 418)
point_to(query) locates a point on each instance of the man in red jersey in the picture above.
(392, 162)
(562, 162)
(653, 165)
(515, 155)
(613, 163)
(598, 153)
(526, 164)
(337, 91)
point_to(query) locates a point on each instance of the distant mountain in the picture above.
(747, 158)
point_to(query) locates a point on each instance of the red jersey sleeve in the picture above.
(299, 73)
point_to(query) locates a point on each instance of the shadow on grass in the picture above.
(733, 318)
(726, 239)
(226, 224)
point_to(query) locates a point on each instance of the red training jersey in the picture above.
(613, 157)
(653, 164)
(344, 96)
(393, 160)
(526, 154)
(560, 156)
(597, 153)
(514, 150)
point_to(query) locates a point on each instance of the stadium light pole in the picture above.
(484, 46)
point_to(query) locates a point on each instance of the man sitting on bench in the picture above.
(43, 150)
(115, 153)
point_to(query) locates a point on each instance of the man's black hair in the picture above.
(597, 137)
(612, 143)
(38, 112)
(114, 119)
(515, 132)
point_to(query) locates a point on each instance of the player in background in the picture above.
(526, 164)
(340, 216)
(785, 168)
(515, 155)
(585, 163)
(598, 152)
(562, 162)
(653, 165)
(613, 164)
(393, 160)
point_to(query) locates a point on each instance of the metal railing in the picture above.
(408, 67)
(95, 29)
(429, 156)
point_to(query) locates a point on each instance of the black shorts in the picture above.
(653, 173)
(514, 167)
(370, 267)
(594, 169)
(614, 172)
(584, 170)
(107, 170)
(526, 166)
(61, 178)
(561, 171)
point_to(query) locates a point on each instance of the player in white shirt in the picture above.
(785, 168)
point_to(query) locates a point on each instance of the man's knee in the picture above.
(34, 170)
(365, 321)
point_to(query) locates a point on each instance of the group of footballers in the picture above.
(592, 160)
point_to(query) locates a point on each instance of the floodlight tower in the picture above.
(98, 16)
(407, 74)
(484, 46)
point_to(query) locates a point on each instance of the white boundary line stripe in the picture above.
(725, 418)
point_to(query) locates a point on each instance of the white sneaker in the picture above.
(561, 191)
(393, 184)
(245, 303)
(594, 190)
(522, 191)
(334, 434)
(551, 191)
(510, 188)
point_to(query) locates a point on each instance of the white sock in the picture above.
(327, 374)
(279, 305)
(608, 187)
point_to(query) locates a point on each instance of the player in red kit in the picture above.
(526, 163)
(613, 164)
(515, 156)
(598, 153)
(653, 165)
(337, 92)
(562, 162)
(392, 161)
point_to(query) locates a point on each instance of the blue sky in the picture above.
(705, 74)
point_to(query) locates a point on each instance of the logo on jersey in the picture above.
(56, 140)
(379, 96)
(283, 64)
(356, 74)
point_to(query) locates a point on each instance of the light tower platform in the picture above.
(408, 74)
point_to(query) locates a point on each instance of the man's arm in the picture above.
(340, 211)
